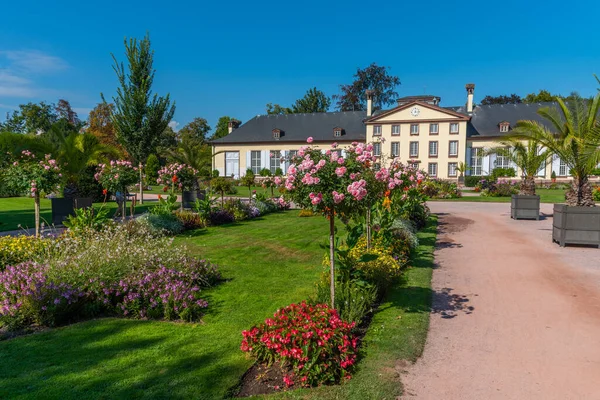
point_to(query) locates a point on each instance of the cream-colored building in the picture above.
(417, 131)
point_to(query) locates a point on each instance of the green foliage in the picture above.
(265, 172)
(440, 189)
(276, 109)
(189, 220)
(195, 130)
(215, 173)
(87, 219)
(542, 96)
(191, 152)
(117, 176)
(553, 175)
(353, 96)
(151, 168)
(31, 118)
(139, 118)
(222, 128)
(162, 224)
(502, 99)
(17, 249)
(596, 194)
(314, 101)
(248, 180)
(164, 206)
(502, 172)
(204, 207)
(278, 172)
(473, 180)
(221, 185)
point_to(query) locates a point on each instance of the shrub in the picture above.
(305, 212)
(439, 189)
(352, 301)
(405, 231)
(152, 167)
(236, 208)
(384, 269)
(473, 180)
(312, 341)
(88, 186)
(502, 172)
(215, 173)
(265, 172)
(596, 194)
(189, 220)
(167, 224)
(501, 188)
(87, 218)
(220, 217)
(17, 249)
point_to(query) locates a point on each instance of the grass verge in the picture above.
(546, 196)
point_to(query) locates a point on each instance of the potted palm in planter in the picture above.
(528, 157)
(462, 169)
(575, 138)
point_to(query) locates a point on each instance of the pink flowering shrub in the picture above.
(32, 175)
(178, 176)
(117, 175)
(311, 340)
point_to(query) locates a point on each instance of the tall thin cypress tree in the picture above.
(139, 117)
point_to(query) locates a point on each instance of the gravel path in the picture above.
(514, 315)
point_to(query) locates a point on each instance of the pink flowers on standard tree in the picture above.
(116, 177)
(330, 184)
(180, 176)
(35, 176)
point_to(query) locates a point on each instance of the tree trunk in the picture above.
(141, 185)
(332, 256)
(124, 208)
(368, 229)
(580, 193)
(527, 186)
(37, 213)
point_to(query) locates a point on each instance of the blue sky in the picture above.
(231, 58)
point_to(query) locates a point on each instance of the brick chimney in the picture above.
(233, 124)
(369, 94)
(470, 91)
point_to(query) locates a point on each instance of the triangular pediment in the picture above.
(416, 111)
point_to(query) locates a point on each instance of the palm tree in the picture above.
(527, 157)
(575, 138)
(196, 155)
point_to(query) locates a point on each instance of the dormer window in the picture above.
(504, 126)
(276, 134)
(337, 132)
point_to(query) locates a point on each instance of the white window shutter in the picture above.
(468, 160)
(248, 162)
(283, 164)
(556, 164)
(343, 153)
(492, 160)
(485, 164)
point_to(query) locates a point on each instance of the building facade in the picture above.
(417, 131)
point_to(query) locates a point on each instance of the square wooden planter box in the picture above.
(576, 225)
(525, 207)
(63, 207)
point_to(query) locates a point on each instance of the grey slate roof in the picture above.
(485, 119)
(297, 127)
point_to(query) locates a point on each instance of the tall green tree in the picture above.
(197, 129)
(222, 128)
(574, 136)
(502, 99)
(542, 96)
(375, 78)
(140, 117)
(273, 109)
(32, 118)
(314, 101)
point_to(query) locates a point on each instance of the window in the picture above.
(376, 166)
(414, 149)
(453, 148)
(276, 133)
(414, 165)
(563, 170)
(232, 164)
(504, 126)
(542, 171)
(434, 129)
(275, 162)
(476, 161)
(395, 130)
(433, 149)
(255, 160)
(395, 149)
(376, 130)
(432, 169)
(452, 168)
(337, 132)
(502, 160)
(376, 149)
(414, 129)
(292, 154)
(454, 127)
(338, 152)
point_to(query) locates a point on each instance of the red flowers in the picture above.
(104, 192)
(165, 189)
(174, 179)
(313, 340)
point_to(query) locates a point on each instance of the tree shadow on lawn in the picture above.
(110, 360)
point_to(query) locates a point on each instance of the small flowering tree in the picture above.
(179, 176)
(116, 177)
(332, 185)
(38, 177)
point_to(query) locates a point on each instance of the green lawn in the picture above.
(15, 211)
(546, 196)
(242, 191)
(268, 264)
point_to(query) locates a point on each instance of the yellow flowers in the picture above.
(387, 202)
(15, 250)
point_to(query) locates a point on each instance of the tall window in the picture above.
(452, 168)
(395, 151)
(255, 162)
(395, 130)
(275, 157)
(292, 154)
(432, 169)
(376, 130)
(453, 148)
(376, 149)
(433, 149)
(434, 129)
(454, 127)
(477, 160)
(414, 149)
(563, 170)
(414, 129)
(502, 160)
